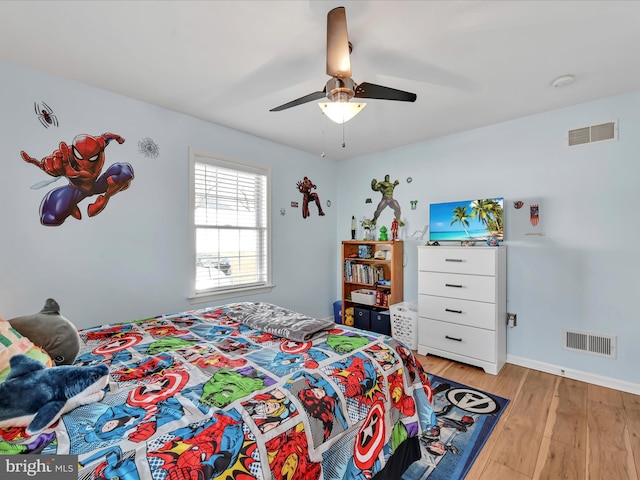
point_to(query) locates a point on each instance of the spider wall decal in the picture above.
(45, 115)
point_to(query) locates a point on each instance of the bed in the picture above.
(215, 393)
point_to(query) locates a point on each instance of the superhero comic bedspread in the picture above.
(198, 395)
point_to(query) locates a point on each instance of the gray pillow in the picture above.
(52, 332)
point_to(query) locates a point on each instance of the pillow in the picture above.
(49, 330)
(12, 343)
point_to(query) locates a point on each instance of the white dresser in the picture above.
(462, 311)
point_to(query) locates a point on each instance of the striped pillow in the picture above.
(12, 343)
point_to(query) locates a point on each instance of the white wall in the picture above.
(583, 274)
(132, 260)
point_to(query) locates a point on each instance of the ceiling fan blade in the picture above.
(370, 90)
(338, 63)
(299, 101)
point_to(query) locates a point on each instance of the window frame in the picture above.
(219, 293)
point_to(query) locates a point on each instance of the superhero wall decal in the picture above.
(81, 163)
(306, 187)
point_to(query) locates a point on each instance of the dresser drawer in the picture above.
(466, 287)
(469, 260)
(458, 339)
(455, 310)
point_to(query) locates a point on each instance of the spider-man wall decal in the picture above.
(45, 115)
(81, 163)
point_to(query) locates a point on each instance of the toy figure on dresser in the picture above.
(383, 234)
(394, 229)
(305, 187)
(386, 188)
(368, 228)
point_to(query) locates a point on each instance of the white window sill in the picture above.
(236, 292)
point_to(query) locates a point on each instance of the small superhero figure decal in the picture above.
(45, 115)
(305, 187)
(81, 163)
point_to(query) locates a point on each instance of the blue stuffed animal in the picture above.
(35, 396)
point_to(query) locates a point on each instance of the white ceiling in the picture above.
(471, 63)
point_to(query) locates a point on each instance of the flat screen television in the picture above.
(467, 220)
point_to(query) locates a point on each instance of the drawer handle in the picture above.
(452, 311)
(452, 285)
(452, 338)
(459, 260)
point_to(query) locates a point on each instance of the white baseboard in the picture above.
(576, 374)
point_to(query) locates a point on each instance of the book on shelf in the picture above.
(363, 273)
(383, 297)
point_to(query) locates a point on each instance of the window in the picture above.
(230, 227)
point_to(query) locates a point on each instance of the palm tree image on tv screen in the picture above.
(467, 220)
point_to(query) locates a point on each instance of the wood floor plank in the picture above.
(608, 453)
(497, 471)
(434, 365)
(458, 371)
(477, 378)
(630, 401)
(605, 395)
(526, 424)
(632, 418)
(563, 462)
(570, 425)
(509, 381)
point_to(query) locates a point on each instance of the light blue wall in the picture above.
(132, 260)
(583, 274)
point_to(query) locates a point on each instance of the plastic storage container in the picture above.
(337, 311)
(364, 296)
(404, 323)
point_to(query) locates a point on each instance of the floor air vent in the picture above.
(594, 133)
(595, 344)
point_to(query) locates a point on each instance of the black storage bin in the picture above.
(381, 322)
(362, 318)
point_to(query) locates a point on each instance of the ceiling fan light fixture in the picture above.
(341, 112)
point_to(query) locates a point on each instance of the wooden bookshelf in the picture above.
(372, 272)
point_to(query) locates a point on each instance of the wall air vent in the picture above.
(594, 133)
(587, 342)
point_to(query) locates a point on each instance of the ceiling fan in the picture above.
(341, 88)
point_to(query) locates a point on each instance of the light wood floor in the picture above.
(553, 428)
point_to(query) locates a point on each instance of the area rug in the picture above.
(466, 417)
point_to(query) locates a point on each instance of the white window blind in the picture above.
(230, 221)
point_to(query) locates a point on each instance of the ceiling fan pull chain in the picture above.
(323, 125)
(343, 144)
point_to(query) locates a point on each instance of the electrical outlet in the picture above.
(512, 319)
